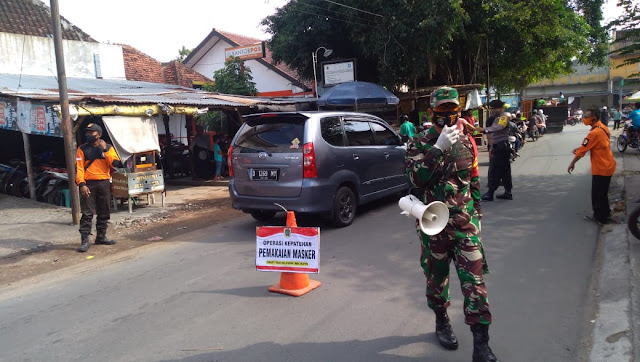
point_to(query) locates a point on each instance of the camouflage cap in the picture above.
(444, 95)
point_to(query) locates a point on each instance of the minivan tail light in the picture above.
(309, 169)
(229, 162)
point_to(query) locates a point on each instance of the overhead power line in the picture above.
(332, 11)
(336, 19)
(356, 9)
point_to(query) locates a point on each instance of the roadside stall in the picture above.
(136, 142)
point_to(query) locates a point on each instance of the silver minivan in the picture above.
(324, 163)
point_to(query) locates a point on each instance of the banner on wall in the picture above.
(28, 117)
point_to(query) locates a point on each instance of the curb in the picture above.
(613, 336)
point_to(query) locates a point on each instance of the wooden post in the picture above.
(69, 151)
(27, 157)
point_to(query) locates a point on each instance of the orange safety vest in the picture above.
(99, 163)
(598, 144)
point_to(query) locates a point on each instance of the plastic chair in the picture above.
(65, 200)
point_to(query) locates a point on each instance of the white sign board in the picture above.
(253, 51)
(336, 73)
(288, 249)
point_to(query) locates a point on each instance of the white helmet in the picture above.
(541, 112)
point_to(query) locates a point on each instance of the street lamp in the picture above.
(314, 58)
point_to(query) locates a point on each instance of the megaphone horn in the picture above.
(432, 218)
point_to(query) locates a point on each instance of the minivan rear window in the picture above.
(271, 134)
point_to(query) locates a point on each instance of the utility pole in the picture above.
(488, 83)
(67, 129)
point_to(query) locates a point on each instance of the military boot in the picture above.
(481, 350)
(444, 332)
(506, 196)
(101, 239)
(84, 244)
(488, 196)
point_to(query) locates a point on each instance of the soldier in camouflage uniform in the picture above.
(443, 166)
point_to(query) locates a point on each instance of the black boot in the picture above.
(101, 239)
(488, 196)
(444, 332)
(84, 244)
(481, 350)
(506, 196)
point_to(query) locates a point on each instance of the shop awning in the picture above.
(132, 134)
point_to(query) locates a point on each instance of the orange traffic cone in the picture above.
(295, 284)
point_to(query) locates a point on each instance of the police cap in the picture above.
(93, 127)
(496, 103)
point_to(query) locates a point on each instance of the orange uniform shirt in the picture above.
(598, 144)
(100, 168)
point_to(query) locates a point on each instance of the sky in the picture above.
(160, 28)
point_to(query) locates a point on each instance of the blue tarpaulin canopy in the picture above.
(357, 94)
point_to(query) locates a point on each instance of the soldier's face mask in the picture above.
(442, 119)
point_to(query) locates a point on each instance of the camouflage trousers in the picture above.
(468, 257)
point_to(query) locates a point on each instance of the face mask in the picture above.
(587, 121)
(90, 138)
(442, 119)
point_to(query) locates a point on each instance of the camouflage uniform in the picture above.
(451, 177)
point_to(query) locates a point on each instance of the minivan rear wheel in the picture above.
(263, 215)
(344, 207)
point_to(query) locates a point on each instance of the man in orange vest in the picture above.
(603, 165)
(94, 161)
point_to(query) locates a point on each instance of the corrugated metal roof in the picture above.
(126, 91)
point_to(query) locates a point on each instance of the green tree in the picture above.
(183, 53)
(234, 78)
(532, 40)
(627, 42)
(433, 42)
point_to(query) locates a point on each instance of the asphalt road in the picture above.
(199, 297)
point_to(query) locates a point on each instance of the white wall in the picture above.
(266, 79)
(39, 57)
(176, 127)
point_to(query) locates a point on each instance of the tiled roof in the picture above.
(177, 73)
(33, 17)
(240, 39)
(142, 67)
(245, 40)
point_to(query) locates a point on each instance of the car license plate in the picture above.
(260, 174)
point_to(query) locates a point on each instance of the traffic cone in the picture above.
(295, 284)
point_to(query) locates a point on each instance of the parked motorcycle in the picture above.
(12, 176)
(175, 160)
(58, 181)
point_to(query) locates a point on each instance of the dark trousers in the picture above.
(600, 197)
(616, 123)
(96, 204)
(500, 167)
